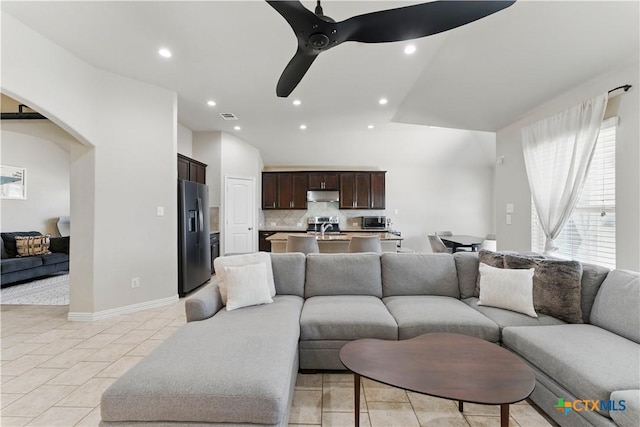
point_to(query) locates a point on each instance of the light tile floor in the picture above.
(53, 373)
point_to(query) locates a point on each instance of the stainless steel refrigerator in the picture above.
(194, 251)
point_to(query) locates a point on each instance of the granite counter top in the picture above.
(334, 237)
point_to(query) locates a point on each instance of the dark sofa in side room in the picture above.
(16, 269)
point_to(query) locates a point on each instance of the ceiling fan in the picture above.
(317, 32)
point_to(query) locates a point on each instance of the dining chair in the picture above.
(437, 245)
(304, 244)
(365, 244)
(489, 243)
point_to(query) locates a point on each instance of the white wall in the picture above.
(511, 180)
(437, 179)
(185, 141)
(47, 167)
(227, 156)
(125, 169)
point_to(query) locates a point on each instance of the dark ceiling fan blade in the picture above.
(293, 73)
(294, 13)
(412, 22)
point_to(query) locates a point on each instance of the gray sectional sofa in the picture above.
(239, 367)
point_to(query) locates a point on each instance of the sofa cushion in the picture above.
(630, 416)
(59, 244)
(617, 305)
(592, 278)
(504, 318)
(247, 286)
(239, 261)
(417, 315)
(205, 372)
(588, 361)
(346, 317)
(54, 258)
(467, 268)
(507, 288)
(9, 240)
(419, 274)
(289, 273)
(494, 259)
(343, 274)
(557, 286)
(32, 245)
(10, 265)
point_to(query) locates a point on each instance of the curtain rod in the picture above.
(625, 87)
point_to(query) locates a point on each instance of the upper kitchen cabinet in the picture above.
(191, 170)
(378, 190)
(284, 190)
(269, 191)
(355, 190)
(323, 181)
(362, 190)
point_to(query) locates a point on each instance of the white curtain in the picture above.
(568, 141)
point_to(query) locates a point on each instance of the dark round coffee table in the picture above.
(450, 366)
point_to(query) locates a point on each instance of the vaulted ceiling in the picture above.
(481, 76)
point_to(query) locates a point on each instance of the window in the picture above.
(590, 234)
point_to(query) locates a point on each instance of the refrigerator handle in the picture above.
(199, 221)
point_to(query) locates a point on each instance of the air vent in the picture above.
(228, 116)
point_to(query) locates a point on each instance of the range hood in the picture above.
(323, 196)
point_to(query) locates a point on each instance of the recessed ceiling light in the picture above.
(297, 102)
(164, 52)
(303, 127)
(211, 103)
(237, 127)
(370, 127)
(383, 101)
(409, 49)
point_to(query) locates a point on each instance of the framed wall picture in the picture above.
(13, 182)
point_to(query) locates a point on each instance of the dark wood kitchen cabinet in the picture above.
(269, 191)
(355, 190)
(191, 170)
(378, 200)
(323, 181)
(284, 190)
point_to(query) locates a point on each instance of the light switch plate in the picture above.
(160, 211)
(508, 219)
(509, 207)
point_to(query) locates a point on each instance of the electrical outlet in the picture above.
(298, 224)
(355, 224)
(135, 282)
(160, 211)
(508, 219)
(273, 224)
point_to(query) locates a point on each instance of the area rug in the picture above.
(50, 291)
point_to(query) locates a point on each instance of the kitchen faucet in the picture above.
(324, 227)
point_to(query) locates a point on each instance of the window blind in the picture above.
(590, 234)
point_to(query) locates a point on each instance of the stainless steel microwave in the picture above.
(374, 222)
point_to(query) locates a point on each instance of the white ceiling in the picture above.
(481, 76)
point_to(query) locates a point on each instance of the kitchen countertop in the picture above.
(328, 237)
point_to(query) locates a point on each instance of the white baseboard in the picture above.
(89, 317)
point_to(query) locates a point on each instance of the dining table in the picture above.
(458, 241)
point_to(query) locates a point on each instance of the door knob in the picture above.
(250, 228)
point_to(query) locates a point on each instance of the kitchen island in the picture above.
(335, 242)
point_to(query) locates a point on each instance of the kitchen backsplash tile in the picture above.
(214, 219)
(294, 217)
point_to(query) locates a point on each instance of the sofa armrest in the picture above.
(204, 303)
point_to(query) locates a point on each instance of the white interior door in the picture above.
(240, 235)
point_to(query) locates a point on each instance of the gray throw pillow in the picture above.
(557, 286)
(494, 259)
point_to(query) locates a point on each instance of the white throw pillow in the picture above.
(247, 285)
(238, 261)
(507, 288)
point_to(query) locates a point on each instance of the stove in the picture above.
(315, 223)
